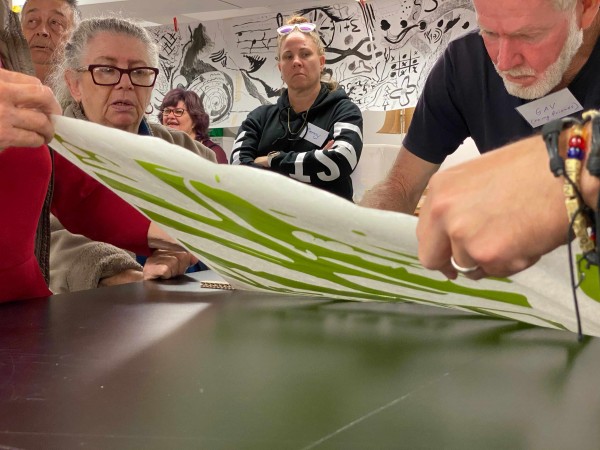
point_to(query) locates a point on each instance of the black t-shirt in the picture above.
(464, 96)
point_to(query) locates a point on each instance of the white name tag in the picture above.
(315, 135)
(551, 107)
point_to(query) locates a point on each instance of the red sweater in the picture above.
(82, 204)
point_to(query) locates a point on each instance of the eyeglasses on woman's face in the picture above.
(177, 112)
(105, 75)
(304, 27)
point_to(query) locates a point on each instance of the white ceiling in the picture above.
(186, 11)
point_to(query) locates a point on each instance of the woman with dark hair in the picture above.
(182, 110)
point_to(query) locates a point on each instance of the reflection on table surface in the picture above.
(171, 365)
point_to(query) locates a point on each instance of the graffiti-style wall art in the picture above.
(380, 52)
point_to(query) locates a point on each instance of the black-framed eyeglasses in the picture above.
(105, 75)
(177, 112)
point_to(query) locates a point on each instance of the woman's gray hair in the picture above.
(564, 5)
(76, 48)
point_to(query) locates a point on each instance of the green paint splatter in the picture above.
(317, 258)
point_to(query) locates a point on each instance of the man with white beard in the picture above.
(531, 62)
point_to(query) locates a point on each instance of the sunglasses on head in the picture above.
(304, 27)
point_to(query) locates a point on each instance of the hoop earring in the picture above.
(151, 109)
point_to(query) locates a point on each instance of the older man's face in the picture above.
(46, 24)
(530, 43)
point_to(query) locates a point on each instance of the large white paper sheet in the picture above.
(263, 231)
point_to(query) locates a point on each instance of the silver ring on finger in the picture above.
(461, 269)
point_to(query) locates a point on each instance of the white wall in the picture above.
(373, 121)
(380, 150)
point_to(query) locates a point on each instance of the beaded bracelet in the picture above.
(581, 217)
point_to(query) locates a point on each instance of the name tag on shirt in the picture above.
(551, 107)
(315, 135)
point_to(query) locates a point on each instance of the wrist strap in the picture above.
(551, 134)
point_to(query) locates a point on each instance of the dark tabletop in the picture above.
(169, 365)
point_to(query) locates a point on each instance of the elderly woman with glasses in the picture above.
(33, 180)
(183, 110)
(106, 77)
(314, 132)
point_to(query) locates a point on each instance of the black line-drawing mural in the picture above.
(380, 52)
(183, 64)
